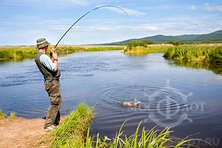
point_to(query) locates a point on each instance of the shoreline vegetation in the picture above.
(141, 50)
(74, 132)
(204, 56)
(19, 53)
(3, 115)
(199, 56)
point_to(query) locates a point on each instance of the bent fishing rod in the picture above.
(85, 14)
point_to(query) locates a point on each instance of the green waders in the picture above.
(53, 114)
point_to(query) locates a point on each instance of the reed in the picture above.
(195, 53)
(74, 132)
(145, 139)
(74, 128)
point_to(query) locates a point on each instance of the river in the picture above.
(187, 100)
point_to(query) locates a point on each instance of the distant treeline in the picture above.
(135, 43)
(144, 43)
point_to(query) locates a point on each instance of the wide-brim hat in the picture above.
(41, 43)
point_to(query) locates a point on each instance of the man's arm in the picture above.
(54, 58)
(51, 64)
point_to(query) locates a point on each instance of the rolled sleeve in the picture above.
(47, 62)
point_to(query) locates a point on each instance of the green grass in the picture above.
(2, 115)
(74, 132)
(18, 53)
(195, 53)
(74, 128)
(12, 115)
(145, 139)
(145, 50)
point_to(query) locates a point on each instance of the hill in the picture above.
(192, 38)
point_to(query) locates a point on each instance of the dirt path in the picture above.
(20, 132)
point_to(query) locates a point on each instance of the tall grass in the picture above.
(74, 133)
(139, 50)
(2, 115)
(74, 128)
(195, 53)
(18, 53)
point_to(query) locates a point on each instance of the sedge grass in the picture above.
(139, 50)
(2, 115)
(12, 115)
(145, 139)
(19, 53)
(195, 53)
(74, 132)
(74, 127)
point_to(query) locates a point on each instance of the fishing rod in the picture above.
(81, 17)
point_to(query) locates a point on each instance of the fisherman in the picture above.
(48, 66)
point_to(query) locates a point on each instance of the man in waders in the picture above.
(48, 66)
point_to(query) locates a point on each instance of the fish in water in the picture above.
(134, 103)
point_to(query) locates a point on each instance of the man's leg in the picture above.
(57, 119)
(53, 115)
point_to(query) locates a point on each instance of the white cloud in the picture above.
(128, 11)
(79, 2)
(193, 7)
(213, 7)
(141, 28)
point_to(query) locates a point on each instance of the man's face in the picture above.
(46, 48)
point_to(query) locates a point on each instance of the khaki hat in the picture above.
(41, 43)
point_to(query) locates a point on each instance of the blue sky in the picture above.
(23, 21)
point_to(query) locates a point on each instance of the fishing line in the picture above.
(81, 17)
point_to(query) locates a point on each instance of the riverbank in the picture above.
(19, 53)
(74, 132)
(20, 132)
(148, 49)
(198, 56)
(196, 53)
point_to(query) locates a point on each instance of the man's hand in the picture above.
(54, 58)
(54, 54)
(53, 50)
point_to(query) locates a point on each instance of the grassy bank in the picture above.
(3, 115)
(74, 128)
(74, 132)
(206, 53)
(18, 53)
(139, 50)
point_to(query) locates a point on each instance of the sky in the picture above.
(22, 22)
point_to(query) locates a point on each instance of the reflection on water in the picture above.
(185, 99)
(216, 68)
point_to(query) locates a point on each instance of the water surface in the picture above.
(186, 99)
